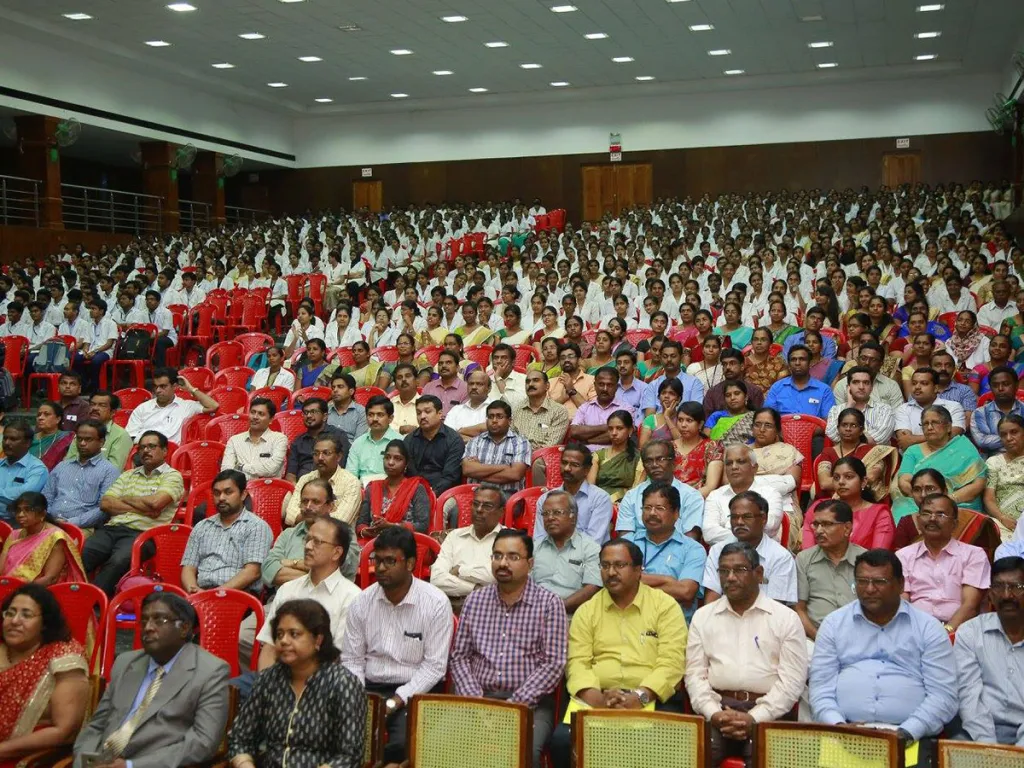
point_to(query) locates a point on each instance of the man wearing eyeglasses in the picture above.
(565, 560)
(988, 661)
(943, 576)
(879, 660)
(464, 562)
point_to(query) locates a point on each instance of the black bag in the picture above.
(137, 344)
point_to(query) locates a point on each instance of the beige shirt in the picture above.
(584, 386)
(348, 492)
(405, 414)
(461, 547)
(762, 651)
(263, 458)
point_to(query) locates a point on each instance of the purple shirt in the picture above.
(933, 583)
(450, 396)
(631, 398)
(519, 649)
(591, 414)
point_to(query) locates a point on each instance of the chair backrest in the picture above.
(277, 395)
(363, 394)
(386, 354)
(74, 533)
(479, 354)
(121, 417)
(15, 354)
(296, 287)
(235, 376)
(965, 754)
(254, 342)
(200, 321)
(307, 393)
(615, 737)
(427, 550)
(786, 744)
(373, 745)
(317, 286)
(432, 353)
(220, 615)
(223, 428)
(84, 606)
(268, 494)
(231, 399)
(462, 495)
(442, 727)
(5, 531)
(289, 423)
(552, 458)
(525, 354)
(197, 496)
(198, 462)
(8, 584)
(798, 430)
(342, 356)
(129, 597)
(521, 508)
(132, 397)
(194, 427)
(225, 354)
(199, 377)
(170, 541)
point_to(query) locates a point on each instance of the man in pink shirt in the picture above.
(590, 424)
(942, 575)
(450, 388)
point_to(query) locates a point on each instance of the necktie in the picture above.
(117, 741)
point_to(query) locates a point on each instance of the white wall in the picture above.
(918, 106)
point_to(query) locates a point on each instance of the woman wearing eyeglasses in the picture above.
(44, 685)
(40, 551)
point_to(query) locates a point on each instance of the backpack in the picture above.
(52, 358)
(258, 361)
(136, 345)
(8, 394)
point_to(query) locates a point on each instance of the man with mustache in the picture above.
(943, 576)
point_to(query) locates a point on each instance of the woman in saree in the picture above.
(434, 333)
(980, 279)
(513, 333)
(534, 319)
(617, 468)
(880, 461)
(44, 683)
(999, 350)
(781, 330)
(40, 551)
(314, 363)
(50, 443)
(302, 331)
(574, 333)
(912, 292)
(617, 327)
(761, 367)
(700, 459)
(873, 527)
(736, 423)
(883, 326)
(777, 461)
(968, 345)
(1004, 493)
(406, 346)
(708, 370)
(601, 355)
(955, 457)
(409, 319)
(733, 326)
(397, 499)
(549, 363)
(826, 300)
(824, 369)
(342, 332)
(650, 367)
(366, 371)
(705, 330)
(971, 527)
(683, 331)
(918, 323)
(551, 329)
(471, 332)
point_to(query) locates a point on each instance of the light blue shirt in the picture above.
(632, 397)
(679, 558)
(693, 389)
(74, 490)
(691, 508)
(814, 399)
(150, 674)
(828, 345)
(990, 671)
(594, 518)
(1012, 548)
(26, 474)
(903, 673)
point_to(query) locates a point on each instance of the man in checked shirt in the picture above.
(511, 639)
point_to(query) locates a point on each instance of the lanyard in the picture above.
(658, 551)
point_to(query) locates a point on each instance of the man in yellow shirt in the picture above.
(348, 491)
(627, 644)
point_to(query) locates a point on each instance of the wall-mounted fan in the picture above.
(230, 165)
(183, 157)
(67, 132)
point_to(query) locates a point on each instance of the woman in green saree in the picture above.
(471, 331)
(617, 468)
(650, 367)
(734, 425)
(549, 363)
(602, 356)
(734, 328)
(955, 458)
(513, 332)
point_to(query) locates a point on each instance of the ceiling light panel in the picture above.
(399, 95)
(701, 27)
(77, 16)
(530, 66)
(930, 7)
(181, 7)
(356, 78)
(719, 52)
(401, 51)
(157, 43)
(926, 57)
(623, 59)
(443, 72)
(596, 36)
(828, 65)
(252, 36)
(820, 44)
(563, 8)
(277, 85)
(560, 84)
(310, 59)
(734, 71)
(454, 19)
(223, 65)
(496, 44)
(478, 90)
(645, 78)
(927, 35)
(323, 101)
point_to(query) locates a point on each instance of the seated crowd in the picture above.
(756, 458)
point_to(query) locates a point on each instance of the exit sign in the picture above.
(367, 173)
(903, 143)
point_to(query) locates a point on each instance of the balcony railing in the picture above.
(107, 210)
(235, 215)
(19, 201)
(193, 215)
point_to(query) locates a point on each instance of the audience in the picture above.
(300, 459)
(343, 412)
(348, 491)
(798, 392)
(117, 444)
(659, 458)
(741, 475)
(366, 456)
(167, 413)
(396, 500)
(75, 487)
(985, 420)
(259, 451)
(565, 561)
(594, 505)
(41, 551)
(878, 417)
(538, 418)
(469, 417)
(463, 564)
(498, 455)
(435, 449)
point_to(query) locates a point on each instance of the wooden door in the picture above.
(901, 168)
(612, 187)
(368, 194)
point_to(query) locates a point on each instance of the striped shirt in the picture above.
(136, 483)
(405, 644)
(544, 427)
(219, 553)
(519, 649)
(513, 449)
(74, 489)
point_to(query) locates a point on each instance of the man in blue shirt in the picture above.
(798, 392)
(672, 362)
(594, 505)
(75, 486)
(659, 459)
(813, 321)
(672, 563)
(984, 422)
(20, 472)
(880, 660)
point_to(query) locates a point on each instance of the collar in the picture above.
(389, 434)
(163, 468)
(92, 461)
(819, 555)
(529, 594)
(858, 610)
(544, 406)
(583, 491)
(411, 597)
(950, 548)
(242, 518)
(676, 537)
(152, 666)
(22, 462)
(330, 583)
(607, 604)
(573, 542)
(468, 533)
(596, 405)
(332, 407)
(990, 623)
(763, 603)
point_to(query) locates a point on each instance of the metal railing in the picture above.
(108, 210)
(19, 201)
(234, 214)
(193, 215)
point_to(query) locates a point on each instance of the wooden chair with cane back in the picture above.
(610, 738)
(445, 732)
(967, 754)
(803, 745)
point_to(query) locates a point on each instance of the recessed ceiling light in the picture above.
(645, 78)
(530, 66)
(454, 19)
(157, 43)
(278, 85)
(623, 59)
(291, 1)
(719, 52)
(927, 35)
(223, 65)
(596, 35)
(930, 7)
(443, 72)
(356, 78)
(820, 44)
(478, 90)
(399, 95)
(926, 57)
(701, 27)
(496, 44)
(812, 18)
(677, 1)
(324, 101)
(560, 84)
(350, 28)
(828, 65)
(310, 59)
(251, 36)
(563, 8)
(77, 16)
(181, 7)
(401, 51)
(734, 71)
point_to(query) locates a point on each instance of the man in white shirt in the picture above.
(469, 419)
(464, 562)
(740, 476)
(38, 329)
(259, 451)
(161, 317)
(1001, 308)
(97, 346)
(190, 295)
(16, 324)
(74, 324)
(924, 388)
(166, 413)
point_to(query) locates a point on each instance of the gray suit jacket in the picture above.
(184, 724)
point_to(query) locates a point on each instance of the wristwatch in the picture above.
(642, 694)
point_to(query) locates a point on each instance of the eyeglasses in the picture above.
(160, 621)
(863, 581)
(512, 557)
(1002, 586)
(823, 524)
(317, 542)
(936, 515)
(743, 570)
(549, 513)
(384, 562)
(619, 566)
(657, 459)
(486, 506)
(13, 613)
(657, 508)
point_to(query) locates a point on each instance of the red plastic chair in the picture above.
(50, 380)
(235, 376)
(386, 354)
(198, 328)
(220, 614)
(136, 368)
(308, 393)
(637, 335)
(129, 462)
(230, 399)
(948, 319)
(525, 354)
(340, 355)
(8, 584)
(199, 377)
(194, 427)
(83, 606)
(317, 290)
(427, 550)
(987, 330)
(132, 397)
(196, 497)
(363, 394)
(268, 496)
(223, 428)
(277, 395)
(462, 495)
(5, 531)
(296, 292)
(15, 355)
(165, 565)
(224, 354)
(557, 219)
(249, 313)
(198, 462)
(289, 423)
(432, 353)
(590, 335)
(121, 615)
(525, 516)
(254, 342)
(541, 221)
(74, 532)
(552, 458)
(797, 430)
(121, 417)
(479, 354)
